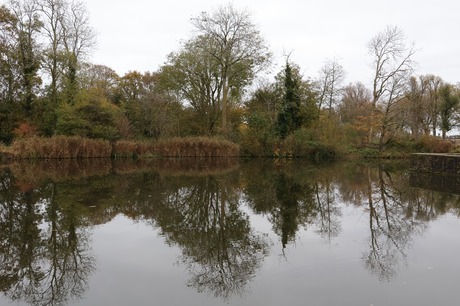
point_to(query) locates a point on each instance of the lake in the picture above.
(226, 232)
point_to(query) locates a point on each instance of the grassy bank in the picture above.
(294, 146)
(73, 147)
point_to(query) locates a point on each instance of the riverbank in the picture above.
(74, 147)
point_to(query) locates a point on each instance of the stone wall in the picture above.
(436, 163)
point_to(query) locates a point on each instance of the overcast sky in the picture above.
(138, 34)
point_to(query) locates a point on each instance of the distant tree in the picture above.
(419, 110)
(236, 46)
(329, 82)
(103, 79)
(433, 100)
(355, 102)
(449, 107)
(356, 112)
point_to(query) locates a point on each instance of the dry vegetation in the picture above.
(72, 147)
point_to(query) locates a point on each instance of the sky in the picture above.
(139, 34)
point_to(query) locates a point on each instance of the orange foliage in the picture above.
(25, 130)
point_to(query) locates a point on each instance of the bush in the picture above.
(430, 144)
(301, 144)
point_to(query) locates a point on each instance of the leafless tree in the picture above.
(329, 81)
(392, 65)
(69, 38)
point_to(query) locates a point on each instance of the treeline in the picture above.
(49, 87)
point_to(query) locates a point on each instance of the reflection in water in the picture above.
(219, 248)
(44, 245)
(46, 220)
(292, 198)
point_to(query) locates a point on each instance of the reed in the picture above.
(60, 147)
(196, 147)
(125, 149)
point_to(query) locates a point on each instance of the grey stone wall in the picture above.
(436, 163)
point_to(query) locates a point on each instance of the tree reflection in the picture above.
(328, 209)
(295, 206)
(392, 223)
(287, 196)
(45, 227)
(220, 249)
(44, 247)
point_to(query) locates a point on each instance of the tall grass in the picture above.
(196, 147)
(61, 147)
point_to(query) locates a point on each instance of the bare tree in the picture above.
(434, 83)
(53, 12)
(423, 104)
(236, 44)
(329, 82)
(392, 66)
(69, 38)
(79, 39)
(355, 102)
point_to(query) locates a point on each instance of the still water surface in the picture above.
(225, 233)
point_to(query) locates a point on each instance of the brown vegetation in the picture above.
(62, 147)
(196, 147)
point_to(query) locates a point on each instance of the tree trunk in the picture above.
(224, 106)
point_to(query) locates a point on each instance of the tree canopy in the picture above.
(211, 85)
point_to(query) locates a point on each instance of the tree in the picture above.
(68, 38)
(261, 112)
(9, 71)
(19, 65)
(28, 51)
(298, 106)
(450, 101)
(392, 65)
(78, 39)
(289, 118)
(236, 45)
(356, 112)
(329, 81)
(355, 102)
(103, 79)
(433, 100)
(419, 110)
(194, 75)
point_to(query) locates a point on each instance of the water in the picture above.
(228, 232)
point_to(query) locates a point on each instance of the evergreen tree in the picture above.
(290, 118)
